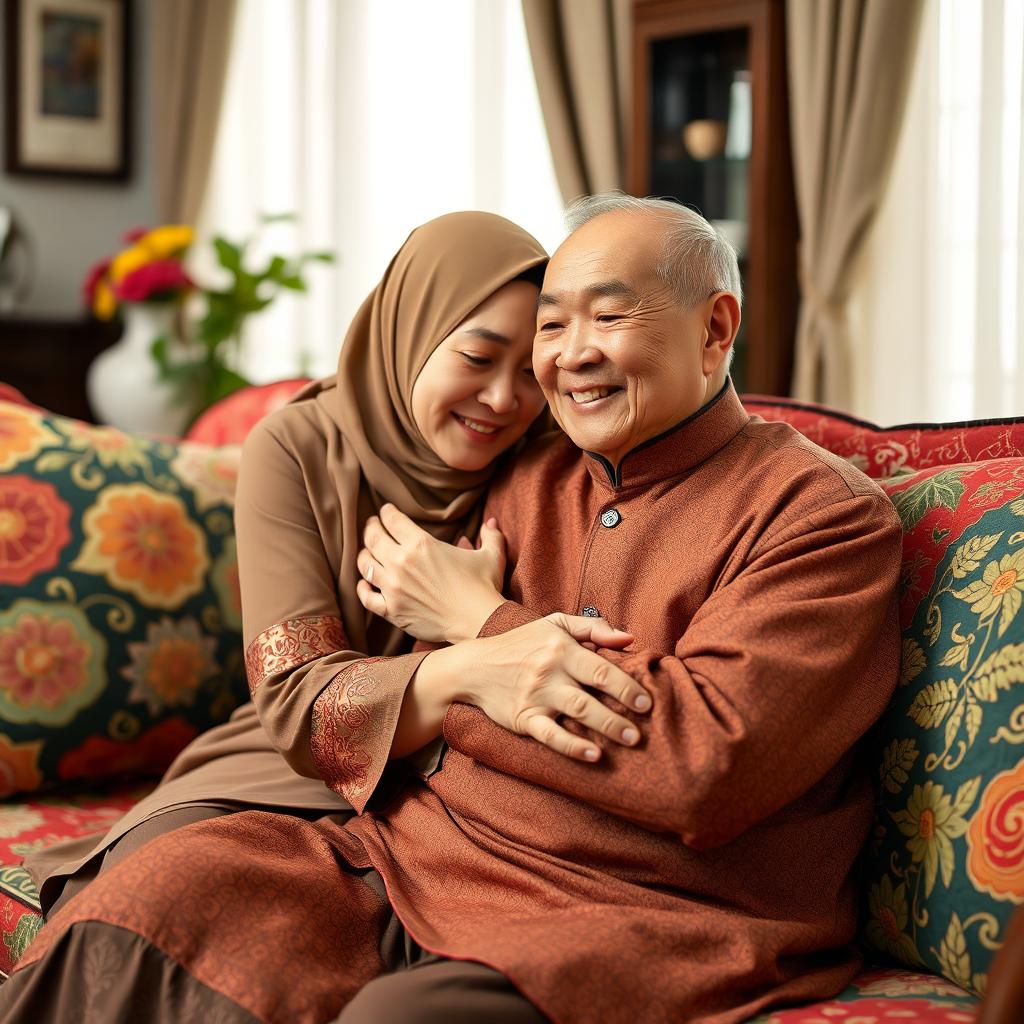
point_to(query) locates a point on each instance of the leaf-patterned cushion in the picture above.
(119, 607)
(944, 869)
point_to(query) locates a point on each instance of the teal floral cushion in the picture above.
(119, 605)
(945, 865)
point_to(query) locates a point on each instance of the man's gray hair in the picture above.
(697, 260)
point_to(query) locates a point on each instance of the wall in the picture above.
(72, 224)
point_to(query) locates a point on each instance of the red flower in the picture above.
(96, 273)
(152, 280)
(132, 235)
(149, 754)
(33, 528)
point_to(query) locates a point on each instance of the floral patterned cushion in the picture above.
(881, 995)
(119, 606)
(891, 451)
(945, 865)
(37, 823)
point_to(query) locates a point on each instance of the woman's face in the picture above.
(476, 394)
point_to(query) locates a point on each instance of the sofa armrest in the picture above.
(1004, 999)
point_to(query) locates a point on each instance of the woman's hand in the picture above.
(431, 590)
(525, 679)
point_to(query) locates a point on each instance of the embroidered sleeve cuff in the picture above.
(507, 616)
(354, 722)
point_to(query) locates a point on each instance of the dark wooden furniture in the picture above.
(46, 358)
(688, 56)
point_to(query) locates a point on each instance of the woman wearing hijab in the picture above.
(381, 430)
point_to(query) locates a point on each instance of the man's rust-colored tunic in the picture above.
(701, 876)
(706, 872)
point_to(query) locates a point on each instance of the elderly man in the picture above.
(582, 855)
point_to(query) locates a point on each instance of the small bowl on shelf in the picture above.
(705, 139)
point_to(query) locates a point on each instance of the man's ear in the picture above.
(722, 324)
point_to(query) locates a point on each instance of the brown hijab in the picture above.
(445, 269)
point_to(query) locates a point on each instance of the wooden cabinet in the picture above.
(710, 128)
(46, 358)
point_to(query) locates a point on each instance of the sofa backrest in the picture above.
(944, 865)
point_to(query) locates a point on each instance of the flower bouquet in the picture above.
(204, 369)
(149, 270)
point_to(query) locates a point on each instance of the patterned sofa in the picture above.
(119, 642)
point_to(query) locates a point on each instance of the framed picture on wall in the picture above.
(67, 78)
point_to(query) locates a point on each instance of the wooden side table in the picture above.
(46, 358)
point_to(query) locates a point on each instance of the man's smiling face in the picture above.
(618, 358)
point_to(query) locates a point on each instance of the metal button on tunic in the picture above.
(611, 518)
(591, 612)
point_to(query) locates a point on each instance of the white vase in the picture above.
(123, 382)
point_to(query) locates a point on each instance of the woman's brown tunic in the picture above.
(311, 476)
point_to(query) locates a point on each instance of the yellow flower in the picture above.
(144, 542)
(104, 304)
(932, 822)
(128, 260)
(999, 590)
(167, 240)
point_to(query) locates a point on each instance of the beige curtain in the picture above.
(581, 59)
(850, 64)
(191, 44)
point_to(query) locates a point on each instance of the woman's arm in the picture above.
(333, 712)
(299, 656)
(526, 694)
(437, 592)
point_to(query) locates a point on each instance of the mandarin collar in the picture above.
(679, 448)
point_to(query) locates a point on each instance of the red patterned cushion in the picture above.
(884, 996)
(229, 420)
(32, 825)
(10, 394)
(890, 451)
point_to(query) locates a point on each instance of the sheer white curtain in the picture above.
(367, 118)
(938, 313)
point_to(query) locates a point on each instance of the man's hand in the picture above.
(431, 590)
(525, 679)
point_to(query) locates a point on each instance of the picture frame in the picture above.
(67, 88)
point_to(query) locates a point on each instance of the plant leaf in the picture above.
(973, 718)
(942, 489)
(229, 256)
(999, 671)
(933, 703)
(953, 723)
(953, 955)
(966, 793)
(54, 461)
(897, 760)
(968, 556)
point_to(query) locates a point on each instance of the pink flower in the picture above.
(96, 273)
(43, 661)
(161, 278)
